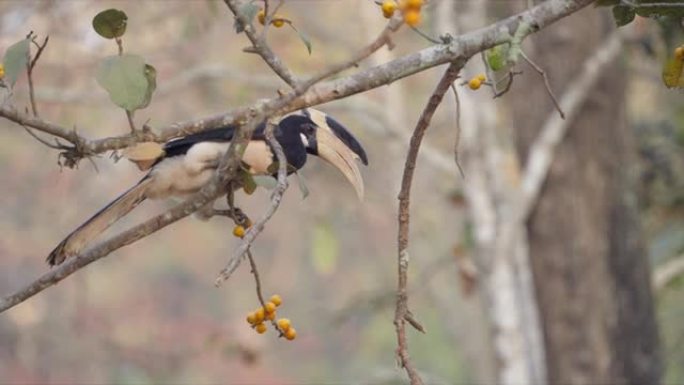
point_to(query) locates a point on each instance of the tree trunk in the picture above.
(590, 269)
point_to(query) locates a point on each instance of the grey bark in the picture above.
(589, 264)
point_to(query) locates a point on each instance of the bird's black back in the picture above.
(181, 146)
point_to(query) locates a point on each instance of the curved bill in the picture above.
(339, 155)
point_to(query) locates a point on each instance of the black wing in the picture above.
(180, 146)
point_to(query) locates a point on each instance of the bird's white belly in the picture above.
(183, 175)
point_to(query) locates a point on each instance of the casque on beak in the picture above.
(336, 152)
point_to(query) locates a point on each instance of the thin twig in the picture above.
(546, 82)
(511, 75)
(258, 227)
(257, 280)
(29, 71)
(402, 310)
(43, 141)
(206, 195)
(457, 140)
(384, 38)
(260, 46)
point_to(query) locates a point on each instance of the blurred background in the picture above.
(149, 313)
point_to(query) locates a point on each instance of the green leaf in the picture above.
(128, 80)
(623, 15)
(324, 249)
(496, 57)
(672, 73)
(248, 183)
(151, 76)
(266, 181)
(110, 24)
(301, 182)
(15, 60)
(248, 10)
(303, 38)
(273, 168)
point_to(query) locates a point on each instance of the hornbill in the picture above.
(188, 163)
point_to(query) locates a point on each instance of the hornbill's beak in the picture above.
(335, 144)
(339, 155)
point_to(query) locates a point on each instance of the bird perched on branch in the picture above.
(184, 165)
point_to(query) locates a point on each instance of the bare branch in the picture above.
(52, 277)
(29, 71)
(402, 311)
(41, 125)
(260, 46)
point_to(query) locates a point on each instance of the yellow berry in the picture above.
(412, 17)
(270, 316)
(278, 21)
(269, 307)
(284, 324)
(474, 83)
(290, 334)
(275, 298)
(259, 315)
(482, 77)
(679, 53)
(239, 231)
(2, 71)
(260, 328)
(388, 8)
(261, 16)
(414, 4)
(251, 318)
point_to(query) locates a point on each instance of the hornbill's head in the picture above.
(323, 136)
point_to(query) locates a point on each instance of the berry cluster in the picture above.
(476, 82)
(268, 313)
(410, 10)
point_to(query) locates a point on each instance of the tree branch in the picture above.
(258, 227)
(260, 46)
(463, 46)
(247, 117)
(402, 313)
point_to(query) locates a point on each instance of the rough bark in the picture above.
(589, 264)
